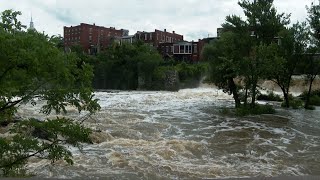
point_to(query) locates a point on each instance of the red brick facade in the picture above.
(91, 37)
(94, 38)
(157, 37)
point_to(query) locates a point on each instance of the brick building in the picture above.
(184, 50)
(91, 38)
(157, 37)
(170, 45)
(181, 51)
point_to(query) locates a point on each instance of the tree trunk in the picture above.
(246, 97)
(253, 98)
(286, 97)
(307, 103)
(233, 90)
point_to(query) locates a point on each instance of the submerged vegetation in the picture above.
(258, 109)
(271, 96)
(247, 110)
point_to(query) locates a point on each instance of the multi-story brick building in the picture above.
(182, 51)
(91, 38)
(94, 38)
(157, 37)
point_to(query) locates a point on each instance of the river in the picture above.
(183, 135)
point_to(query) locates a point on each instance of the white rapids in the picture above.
(182, 135)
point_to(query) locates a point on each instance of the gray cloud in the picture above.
(193, 18)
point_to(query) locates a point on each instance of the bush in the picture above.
(294, 103)
(303, 96)
(270, 97)
(310, 107)
(190, 74)
(315, 100)
(258, 109)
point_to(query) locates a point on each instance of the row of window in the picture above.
(73, 30)
(185, 49)
(72, 38)
(148, 35)
(78, 30)
(163, 38)
(167, 39)
(72, 33)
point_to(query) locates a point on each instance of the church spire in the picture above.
(31, 27)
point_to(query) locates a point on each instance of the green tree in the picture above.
(312, 64)
(265, 23)
(247, 47)
(223, 56)
(120, 66)
(32, 67)
(289, 55)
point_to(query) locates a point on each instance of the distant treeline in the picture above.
(139, 66)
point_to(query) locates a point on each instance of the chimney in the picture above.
(94, 24)
(165, 30)
(173, 32)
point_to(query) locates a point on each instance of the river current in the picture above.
(184, 135)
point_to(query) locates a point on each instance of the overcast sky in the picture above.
(194, 19)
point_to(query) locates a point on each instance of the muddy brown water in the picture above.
(183, 135)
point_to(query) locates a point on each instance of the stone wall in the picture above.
(172, 81)
(169, 82)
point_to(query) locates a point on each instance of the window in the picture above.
(90, 38)
(145, 37)
(182, 48)
(195, 48)
(150, 36)
(176, 49)
(90, 30)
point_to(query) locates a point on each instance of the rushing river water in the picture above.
(182, 135)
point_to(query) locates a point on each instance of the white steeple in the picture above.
(31, 27)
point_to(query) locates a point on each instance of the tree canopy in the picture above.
(33, 68)
(261, 46)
